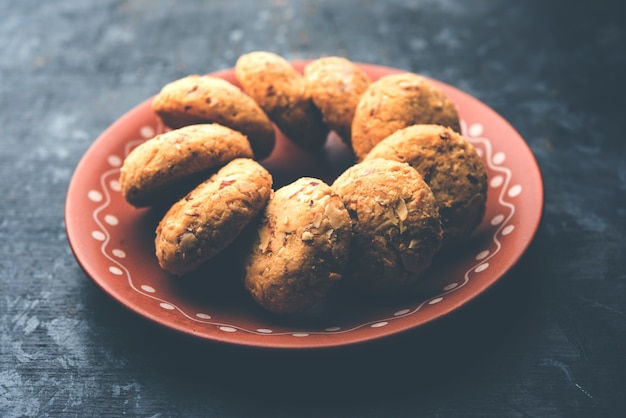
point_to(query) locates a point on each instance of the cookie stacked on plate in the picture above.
(417, 185)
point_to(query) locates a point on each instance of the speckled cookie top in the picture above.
(451, 167)
(395, 223)
(205, 99)
(301, 248)
(379, 225)
(336, 85)
(212, 215)
(166, 160)
(282, 93)
(394, 102)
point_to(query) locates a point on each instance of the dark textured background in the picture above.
(548, 341)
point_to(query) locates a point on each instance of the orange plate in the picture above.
(113, 242)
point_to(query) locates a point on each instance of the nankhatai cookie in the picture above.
(301, 248)
(336, 85)
(205, 99)
(451, 167)
(282, 93)
(396, 228)
(211, 216)
(159, 166)
(394, 102)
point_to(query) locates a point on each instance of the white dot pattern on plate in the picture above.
(499, 158)
(147, 132)
(228, 329)
(98, 235)
(500, 175)
(482, 267)
(496, 181)
(115, 185)
(476, 129)
(507, 229)
(94, 196)
(114, 161)
(118, 253)
(482, 255)
(515, 191)
(116, 270)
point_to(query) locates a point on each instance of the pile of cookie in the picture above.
(417, 186)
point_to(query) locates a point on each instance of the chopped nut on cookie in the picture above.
(301, 249)
(451, 167)
(212, 215)
(396, 228)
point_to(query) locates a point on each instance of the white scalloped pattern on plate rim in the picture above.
(473, 132)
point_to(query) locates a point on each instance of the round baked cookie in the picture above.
(394, 102)
(282, 93)
(204, 99)
(211, 216)
(396, 229)
(301, 248)
(451, 167)
(158, 167)
(336, 85)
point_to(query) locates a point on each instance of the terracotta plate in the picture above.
(113, 242)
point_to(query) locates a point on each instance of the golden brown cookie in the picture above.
(394, 102)
(301, 248)
(204, 99)
(281, 92)
(159, 166)
(212, 215)
(336, 85)
(450, 166)
(396, 229)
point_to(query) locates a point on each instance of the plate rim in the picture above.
(300, 343)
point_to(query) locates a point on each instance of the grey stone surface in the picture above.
(547, 341)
